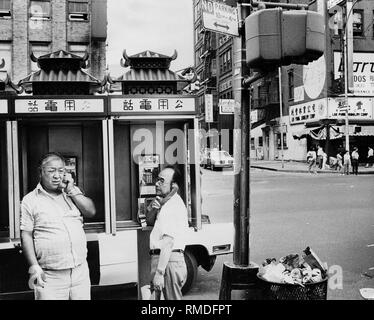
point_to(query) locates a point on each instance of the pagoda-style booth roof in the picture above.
(7, 87)
(149, 73)
(61, 74)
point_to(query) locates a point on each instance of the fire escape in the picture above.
(208, 57)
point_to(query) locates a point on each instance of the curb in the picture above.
(304, 171)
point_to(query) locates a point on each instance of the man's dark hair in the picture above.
(48, 155)
(177, 176)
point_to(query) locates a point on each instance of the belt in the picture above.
(157, 251)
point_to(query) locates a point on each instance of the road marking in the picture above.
(370, 245)
(372, 268)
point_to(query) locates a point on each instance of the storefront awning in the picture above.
(319, 133)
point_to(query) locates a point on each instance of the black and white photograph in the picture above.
(209, 151)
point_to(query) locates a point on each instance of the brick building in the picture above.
(44, 26)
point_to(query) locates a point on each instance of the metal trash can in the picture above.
(286, 291)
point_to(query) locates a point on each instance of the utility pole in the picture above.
(281, 112)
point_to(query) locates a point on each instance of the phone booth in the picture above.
(62, 115)
(151, 125)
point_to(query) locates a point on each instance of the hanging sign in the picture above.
(220, 17)
(208, 108)
(359, 108)
(151, 105)
(50, 106)
(226, 106)
(3, 106)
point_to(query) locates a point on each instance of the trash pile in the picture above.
(294, 269)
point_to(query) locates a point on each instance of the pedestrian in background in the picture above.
(320, 157)
(347, 162)
(370, 157)
(355, 157)
(324, 161)
(311, 158)
(339, 162)
(53, 240)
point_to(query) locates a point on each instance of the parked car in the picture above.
(217, 159)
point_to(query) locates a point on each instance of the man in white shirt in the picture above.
(167, 239)
(370, 157)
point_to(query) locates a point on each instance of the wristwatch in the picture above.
(160, 272)
(75, 191)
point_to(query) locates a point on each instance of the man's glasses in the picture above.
(160, 181)
(52, 170)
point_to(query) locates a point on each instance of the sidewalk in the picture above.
(298, 167)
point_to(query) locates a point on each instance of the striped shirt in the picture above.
(57, 226)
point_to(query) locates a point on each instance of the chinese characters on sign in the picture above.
(208, 108)
(309, 111)
(3, 106)
(158, 105)
(46, 106)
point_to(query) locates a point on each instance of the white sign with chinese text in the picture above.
(359, 108)
(226, 106)
(363, 72)
(254, 116)
(43, 106)
(308, 111)
(220, 17)
(3, 106)
(208, 108)
(148, 104)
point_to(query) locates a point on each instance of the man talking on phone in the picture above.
(53, 239)
(167, 244)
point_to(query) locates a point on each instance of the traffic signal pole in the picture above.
(242, 274)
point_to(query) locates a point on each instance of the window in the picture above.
(78, 11)
(39, 49)
(279, 135)
(5, 9)
(290, 85)
(225, 62)
(358, 23)
(78, 49)
(260, 143)
(6, 54)
(40, 9)
(252, 143)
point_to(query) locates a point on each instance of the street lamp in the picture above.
(348, 23)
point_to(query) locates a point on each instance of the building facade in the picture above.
(44, 26)
(311, 95)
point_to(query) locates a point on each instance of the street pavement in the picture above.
(291, 210)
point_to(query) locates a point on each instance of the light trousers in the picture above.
(67, 284)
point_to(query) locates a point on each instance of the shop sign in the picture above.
(226, 106)
(333, 3)
(220, 17)
(49, 106)
(359, 108)
(208, 108)
(254, 116)
(148, 104)
(308, 111)
(363, 72)
(3, 106)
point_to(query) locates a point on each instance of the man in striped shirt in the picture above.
(53, 239)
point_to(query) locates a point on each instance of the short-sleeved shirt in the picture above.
(59, 239)
(370, 152)
(172, 220)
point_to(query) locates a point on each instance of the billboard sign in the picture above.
(220, 17)
(359, 108)
(363, 72)
(226, 106)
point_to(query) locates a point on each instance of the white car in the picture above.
(218, 159)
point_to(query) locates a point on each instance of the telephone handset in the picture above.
(153, 208)
(65, 181)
